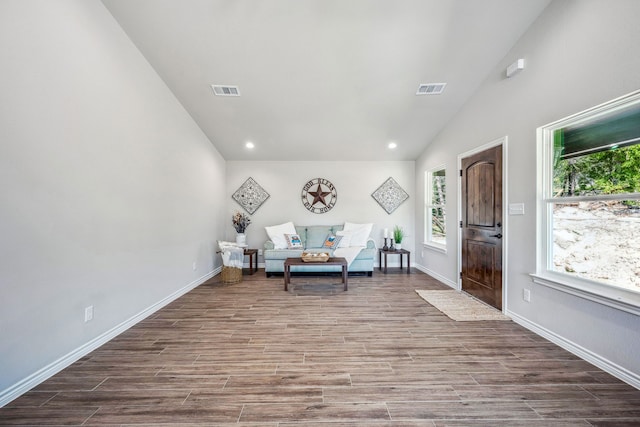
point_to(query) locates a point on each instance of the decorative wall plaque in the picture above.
(250, 196)
(390, 195)
(319, 195)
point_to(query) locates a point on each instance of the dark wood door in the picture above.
(482, 226)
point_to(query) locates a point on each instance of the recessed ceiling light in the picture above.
(392, 145)
(250, 145)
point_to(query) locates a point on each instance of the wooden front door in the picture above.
(481, 224)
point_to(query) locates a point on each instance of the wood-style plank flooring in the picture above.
(376, 355)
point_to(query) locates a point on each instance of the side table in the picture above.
(253, 254)
(400, 252)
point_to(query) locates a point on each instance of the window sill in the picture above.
(435, 247)
(617, 298)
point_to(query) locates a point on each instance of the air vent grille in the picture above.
(431, 89)
(221, 90)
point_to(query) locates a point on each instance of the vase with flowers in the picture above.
(240, 222)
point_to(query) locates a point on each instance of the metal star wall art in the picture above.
(250, 195)
(319, 195)
(390, 195)
(323, 199)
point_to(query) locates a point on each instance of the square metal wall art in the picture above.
(250, 195)
(390, 195)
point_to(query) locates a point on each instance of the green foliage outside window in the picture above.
(600, 156)
(438, 182)
(614, 171)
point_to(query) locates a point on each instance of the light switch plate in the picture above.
(516, 208)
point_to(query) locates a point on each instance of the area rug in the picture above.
(460, 306)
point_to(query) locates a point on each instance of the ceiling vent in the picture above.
(220, 90)
(431, 89)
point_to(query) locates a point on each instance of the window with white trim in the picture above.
(435, 213)
(589, 206)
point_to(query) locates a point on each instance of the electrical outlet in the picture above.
(259, 251)
(526, 295)
(194, 266)
(88, 313)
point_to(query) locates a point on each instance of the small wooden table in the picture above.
(400, 252)
(253, 254)
(298, 261)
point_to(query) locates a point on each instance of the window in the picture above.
(435, 193)
(589, 210)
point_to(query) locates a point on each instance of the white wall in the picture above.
(109, 190)
(354, 181)
(578, 54)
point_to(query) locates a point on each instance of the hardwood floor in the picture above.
(377, 355)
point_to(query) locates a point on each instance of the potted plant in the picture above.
(398, 235)
(240, 222)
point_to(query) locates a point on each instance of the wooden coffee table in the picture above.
(298, 261)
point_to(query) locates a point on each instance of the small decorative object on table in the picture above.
(315, 257)
(398, 235)
(386, 235)
(240, 223)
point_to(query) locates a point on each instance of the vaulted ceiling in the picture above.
(323, 79)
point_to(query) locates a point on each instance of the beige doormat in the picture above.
(460, 306)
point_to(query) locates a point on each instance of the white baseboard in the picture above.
(606, 365)
(437, 276)
(53, 368)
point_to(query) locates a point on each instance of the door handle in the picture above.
(499, 236)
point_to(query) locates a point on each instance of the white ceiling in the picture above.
(323, 79)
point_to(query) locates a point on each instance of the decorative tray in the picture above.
(315, 257)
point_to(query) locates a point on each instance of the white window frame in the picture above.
(612, 296)
(428, 206)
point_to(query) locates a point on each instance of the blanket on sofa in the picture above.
(350, 253)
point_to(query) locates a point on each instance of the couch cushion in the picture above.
(359, 233)
(331, 241)
(283, 254)
(345, 240)
(276, 234)
(302, 232)
(316, 235)
(293, 241)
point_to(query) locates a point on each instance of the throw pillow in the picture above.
(345, 242)
(359, 233)
(331, 241)
(293, 241)
(276, 234)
